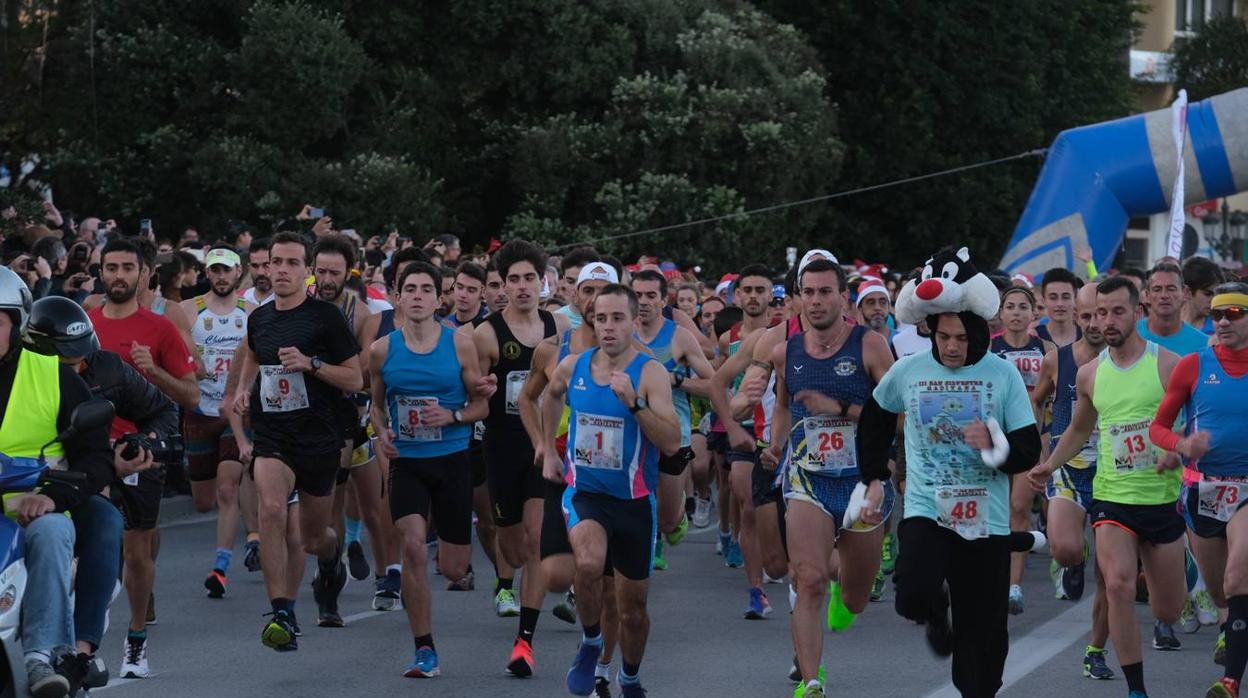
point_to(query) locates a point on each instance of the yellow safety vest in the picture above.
(34, 404)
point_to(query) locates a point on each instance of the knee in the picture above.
(633, 618)
(51, 532)
(416, 554)
(1066, 554)
(204, 503)
(227, 494)
(1120, 585)
(273, 512)
(811, 580)
(454, 570)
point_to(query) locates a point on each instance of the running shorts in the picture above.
(831, 495)
(511, 475)
(631, 526)
(676, 463)
(441, 486)
(1203, 525)
(209, 440)
(1070, 483)
(1151, 523)
(140, 503)
(315, 473)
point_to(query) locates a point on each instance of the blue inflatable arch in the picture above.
(1096, 178)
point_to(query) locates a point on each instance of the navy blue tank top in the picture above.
(1064, 398)
(826, 444)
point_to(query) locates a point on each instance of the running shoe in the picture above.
(43, 681)
(676, 536)
(1072, 581)
(839, 615)
(424, 665)
(1016, 599)
(468, 582)
(521, 663)
(1219, 650)
(1094, 665)
(505, 604)
(215, 584)
(294, 623)
(389, 591)
(814, 689)
(732, 554)
(658, 562)
(150, 619)
(759, 607)
(97, 673)
(357, 564)
(1226, 687)
(1164, 638)
(251, 556)
(877, 587)
(1056, 572)
(581, 677)
(1137, 694)
(632, 690)
(724, 544)
(1188, 622)
(940, 636)
(888, 554)
(134, 660)
(326, 585)
(795, 674)
(566, 610)
(602, 687)
(279, 633)
(702, 513)
(1205, 610)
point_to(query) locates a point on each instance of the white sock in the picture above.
(602, 671)
(394, 568)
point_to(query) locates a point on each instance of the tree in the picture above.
(1213, 61)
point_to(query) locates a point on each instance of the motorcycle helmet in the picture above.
(60, 327)
(15, 299)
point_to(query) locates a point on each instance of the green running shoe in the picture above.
(839, 617)
(888, 554)
(877, 587)
(1219, 650)
(658, 563)
(676, 536)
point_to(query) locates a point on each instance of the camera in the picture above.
(167, 451)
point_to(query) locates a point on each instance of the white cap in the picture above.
(597, 271)
(810, 257)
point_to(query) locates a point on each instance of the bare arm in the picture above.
(781, 414)
(1081, 424)
(552, 408)
(470, 370)
(487, 346)
(688, 350)
(658, 421)
(379, 409)
(539, 377)
(706, 345)
(734, 365)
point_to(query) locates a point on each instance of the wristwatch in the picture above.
(639, 405)
(844, 408)
(677, 379)
(316, 364)
(458, 416)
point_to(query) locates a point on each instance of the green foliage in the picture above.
(1213, 61)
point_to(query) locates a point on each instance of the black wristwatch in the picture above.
(638, 406)
(677, 379)
(844, 409)
(316, 364)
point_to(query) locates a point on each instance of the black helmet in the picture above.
(60, 327)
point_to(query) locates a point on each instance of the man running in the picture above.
(215, 465)
(1210, 386)
(621, 418)
(300, 355)
(505, 343)
(1135, 487)
(469, 283)
(423, 375)
(823, 378)
(1167, 296)
(1069, 488)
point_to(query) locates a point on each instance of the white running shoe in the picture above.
(1205, 610)
(134, 660)
(702, 513)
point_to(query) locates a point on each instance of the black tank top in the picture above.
(515, 358)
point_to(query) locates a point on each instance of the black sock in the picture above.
(690, 505)
(1236, 636)
(630, 669)
(594, 630)
(469, 570)
(424, 641)
(502, 584)
(528, 623)
(280, 605)
(1135, 676)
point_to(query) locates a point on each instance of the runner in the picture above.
(505, 343)
(212, 451)
(422, 378)
(1026, 351)
(469, 283)
(258, 293)
(823, 377)
(1058, 290)
(621, 418)
(1201, 276)
(300, 355)
(1069, 488)
(1210, 386)
(261, 289)
(1133, 508)
(968, 426)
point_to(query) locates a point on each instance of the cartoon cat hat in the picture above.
(951, 283)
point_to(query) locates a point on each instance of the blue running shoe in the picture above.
(759, 607)
(1137, 694)
(581, 675)
(424, 666)
(732, 554)
(1094, 665)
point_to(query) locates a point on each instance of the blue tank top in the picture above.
(386, 325)
(661, 347)
(828, 442)
(1064, 398)
(1217, 406)
(608, 452)
(413, 380)
(565, 346)
(1027, 359)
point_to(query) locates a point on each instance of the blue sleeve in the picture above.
(888, 393)
(1016, 407)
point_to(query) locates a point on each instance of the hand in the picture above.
(373, 243)
(818, 403)
(323, 226)
(871, 514)
(293, 360)
(52, 214)
(76, 281)
(142, 357)
(552, 467)
(1194, 446)
(246, 449)
(31, 506)
(242, 401)
(1084, 254)
(1169, 461)
(976, 436)
(436, 416)
(739, 438)
(42, 268)
(486, 386)
(622, 386)
(770, 457)
(385, 443)
(1038, 477)
(124, 467)
(392, 242)
(305, 213)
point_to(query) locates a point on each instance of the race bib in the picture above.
(478, 431)
(963, 510)
(1220, 498)
(282, 390)
(217, 361)
(1132, 449)
(599, 442)
(1028, 364)
(831, 443)
(515, 384)
(410, 426)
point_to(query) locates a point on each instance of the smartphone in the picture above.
(316, 212)
(80, 254)
(94, 270)
(145, 225)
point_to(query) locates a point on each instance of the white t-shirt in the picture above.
(250, 296)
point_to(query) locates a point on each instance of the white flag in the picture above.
(1178, 128)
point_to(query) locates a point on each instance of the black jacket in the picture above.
(135, 400)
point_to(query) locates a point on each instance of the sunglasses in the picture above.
(776, 303)
(1232, 313)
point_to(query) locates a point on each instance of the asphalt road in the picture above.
(699, 642)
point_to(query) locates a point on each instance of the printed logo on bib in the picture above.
(963, 510)
(410, 426)
(217, 360)
(478, 431)
(599, 442)
(282, 390)
(1132, 448)
(831, 444)
(515, 384)
(1221, 498)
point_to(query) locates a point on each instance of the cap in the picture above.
(597, 271)
(1024, 278)
(810, 257)
(870, 286)
(223, 256)
(777, 291)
